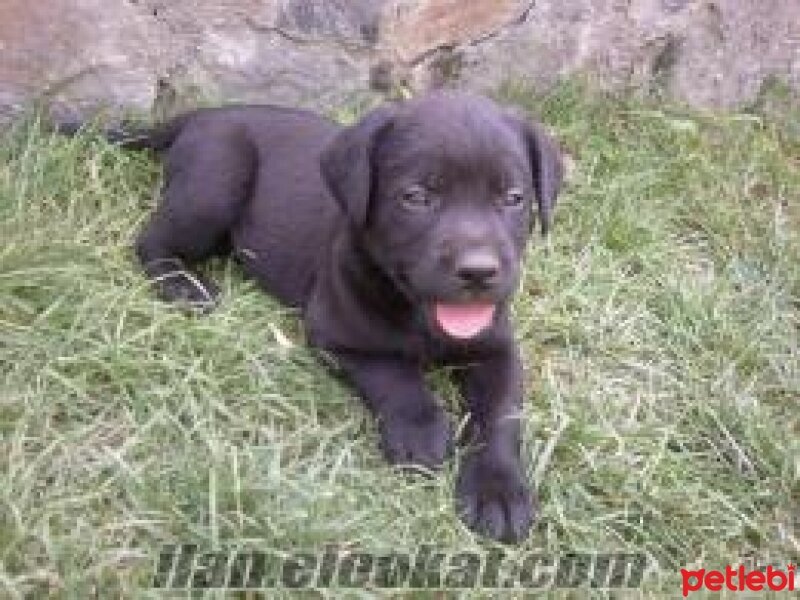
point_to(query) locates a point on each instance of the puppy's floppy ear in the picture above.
(346, 163)
(546, 166)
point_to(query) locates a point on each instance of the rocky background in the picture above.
(158, 56)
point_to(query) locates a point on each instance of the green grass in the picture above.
(659, 325)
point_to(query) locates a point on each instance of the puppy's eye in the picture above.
(416, 198)
(514, 198)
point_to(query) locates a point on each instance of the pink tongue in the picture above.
(464, 320)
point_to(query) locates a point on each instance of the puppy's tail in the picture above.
(157, 138)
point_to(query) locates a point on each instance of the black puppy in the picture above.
(400, 238)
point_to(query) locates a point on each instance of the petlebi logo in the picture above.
(739, 579)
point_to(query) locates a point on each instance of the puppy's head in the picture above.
(444, 191)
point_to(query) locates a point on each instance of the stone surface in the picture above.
(87, 50)
(162, 55)
(705, 53)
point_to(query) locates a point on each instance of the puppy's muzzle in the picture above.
(478, 269)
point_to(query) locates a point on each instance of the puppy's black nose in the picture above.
(478, 267)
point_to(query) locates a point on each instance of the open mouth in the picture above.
(464, 320)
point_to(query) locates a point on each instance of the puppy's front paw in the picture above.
(493, 498)
(419, 436)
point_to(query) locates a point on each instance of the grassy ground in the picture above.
(660, 332)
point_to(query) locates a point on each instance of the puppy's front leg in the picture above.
(414, 429)
(492, 494)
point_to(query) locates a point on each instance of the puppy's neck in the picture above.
(355, 305)
(369, 282)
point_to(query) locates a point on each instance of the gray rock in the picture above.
(160, 56)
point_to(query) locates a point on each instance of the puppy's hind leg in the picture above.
(173, 279)
(207, 183)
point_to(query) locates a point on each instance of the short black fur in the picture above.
(367, 229)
